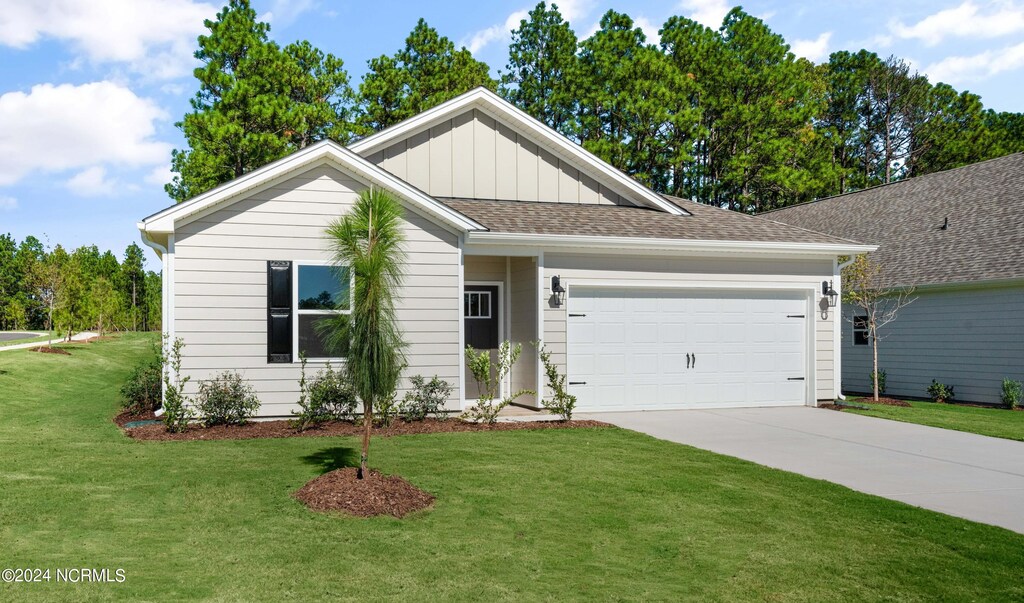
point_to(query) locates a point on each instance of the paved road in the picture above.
(12, 336)
(963, 474)
(42, 341)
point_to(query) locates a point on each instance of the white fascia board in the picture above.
(548, 241)
(510, 115)
(322, 152)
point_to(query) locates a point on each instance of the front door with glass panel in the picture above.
(481, 314)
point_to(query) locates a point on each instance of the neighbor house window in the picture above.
(476, 304)
(322, 293)
(860, 330)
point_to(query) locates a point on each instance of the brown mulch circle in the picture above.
(282, 429)
(48, 350)
(887, 401)
(376, 494)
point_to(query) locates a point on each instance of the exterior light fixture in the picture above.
(557, 290)
(830, 293)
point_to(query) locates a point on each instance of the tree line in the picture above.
(728, 117)
(43, 288)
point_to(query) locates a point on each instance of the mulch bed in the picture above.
(885, 401)
(48, 350)
(282, 429)
(376, 494)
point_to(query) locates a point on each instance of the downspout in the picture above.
(838, 342)
(161, 251)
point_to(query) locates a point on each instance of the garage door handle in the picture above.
(694, 360)
(576, 315)
(577, 383)
(687, 360)
(795, 379)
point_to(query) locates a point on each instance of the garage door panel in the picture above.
(631, 347)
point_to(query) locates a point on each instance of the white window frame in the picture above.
(854, 330)
(481, 294)
(296, 311)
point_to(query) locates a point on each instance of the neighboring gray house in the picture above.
(667, 303)
(958, 237)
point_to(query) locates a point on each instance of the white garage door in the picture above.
(660, 349)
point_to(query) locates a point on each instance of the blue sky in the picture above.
(90, 89)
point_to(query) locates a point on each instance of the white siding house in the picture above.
(668, 304)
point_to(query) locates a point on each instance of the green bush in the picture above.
(562, 402)
(881, 381)
(940, 392)
(489, 376)
(141, 392)
(177, 413)
(226, 400)
(1012, 393)
(426, 398)
(327, 396)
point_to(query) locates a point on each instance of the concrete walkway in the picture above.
(963, 474)
(42, 341)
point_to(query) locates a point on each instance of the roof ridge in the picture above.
(885, 184)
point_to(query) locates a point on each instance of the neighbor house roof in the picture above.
(553, 222)
(983, 239)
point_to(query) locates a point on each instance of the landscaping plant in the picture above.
(327, 396)
(940, 392)
(1011, 394)
(141, 392)
(561, 402)
(878, 378)
(226, 400)
(177, 412)
(426, 398)
(489, 376)
(368, 240)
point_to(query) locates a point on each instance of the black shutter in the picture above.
(279, 311)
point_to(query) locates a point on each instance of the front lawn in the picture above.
(591, 514)
(996, 422)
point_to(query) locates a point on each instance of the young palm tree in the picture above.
(368, 240)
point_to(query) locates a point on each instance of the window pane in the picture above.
(311, 339)
(323, 288)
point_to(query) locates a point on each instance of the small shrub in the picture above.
(226, 400)
(177, 412)
(141, 392)
(1012, 393)
(562, 402)
(881, 381)
(327, 396)
(940, 392)
(489, 376)
(426, 398)
(385, 410)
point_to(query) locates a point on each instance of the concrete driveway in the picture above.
(963, 474)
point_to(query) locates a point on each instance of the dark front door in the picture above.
(480, 314)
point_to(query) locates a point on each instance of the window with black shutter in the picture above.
(279, 311)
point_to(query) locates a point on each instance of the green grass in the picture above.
(601, 515)
(996, 422)
(22, 340)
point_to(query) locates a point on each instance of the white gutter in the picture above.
(690, 245)
(161, 251)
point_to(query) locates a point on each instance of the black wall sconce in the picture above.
(829, 298)
(557, 290)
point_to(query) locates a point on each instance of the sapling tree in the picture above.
(876, 303)
(489, 374)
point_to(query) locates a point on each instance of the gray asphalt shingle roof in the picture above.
(706, 223)
(983, 241)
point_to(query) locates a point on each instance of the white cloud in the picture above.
(962, 69)
(650, 29)
(8, 203)
(284, 12)
(91, 182)
(495, 32)
(160, 176)
(965, 21)
(574, 9)
(153, 37)
(815, 50)
(709, 13)
(57, 128)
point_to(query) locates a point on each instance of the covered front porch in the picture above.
(501, 301)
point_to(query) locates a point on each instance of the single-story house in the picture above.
(957, 237)
(513, 233)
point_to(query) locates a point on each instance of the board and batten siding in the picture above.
(653, 272)
(473, 156)
(220, 285)
(970, 338)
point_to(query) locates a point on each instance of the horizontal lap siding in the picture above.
(220, 284)
(641, 272)
(970, 338)
(471, 155)
(524, 325)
